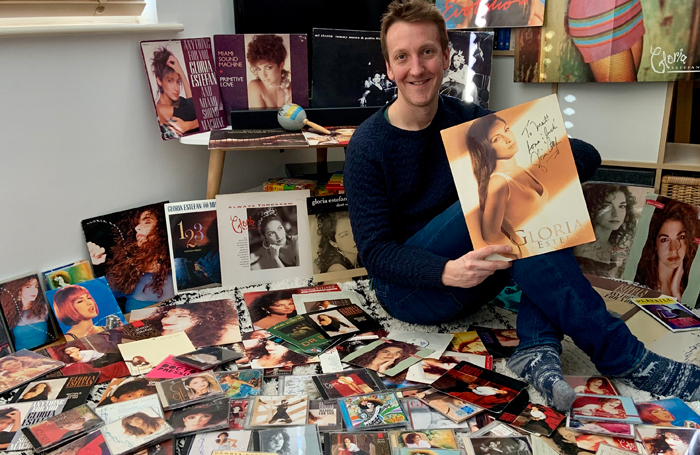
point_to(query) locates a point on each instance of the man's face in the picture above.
(416, 61)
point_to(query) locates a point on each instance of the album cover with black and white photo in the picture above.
(301, 440)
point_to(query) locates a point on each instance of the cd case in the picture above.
(199, 418)
(180, 392)
(379, 410)
(62, 428)
(207, 358)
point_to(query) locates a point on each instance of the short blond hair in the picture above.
(412, 11)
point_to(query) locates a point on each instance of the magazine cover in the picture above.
(620, 430)
(170, 369)
(532, 418)
(242, 383)
(453, 408)
(180, 392)
(91, 443)
(301, 440)
(598, 385)
(127, 389)
(19, 415)
(325, 415)
(206, 323)
(334, 252)
(208, 416)
(267, 308)
(426, 439)
(671, 411)
(488, 389)
(429, 370)
(74, 273)
(499, 343)
(372, 411)
(302, 333)
(117, 411)
(237, 414)
(516, 445)
(490, 14)
(624, 41)
(206, 443)
(343, 320)
(267, 411)
(76, 389)
(438, 342)
(207, 358)
(605, 408)
(142, 356)
(62, 428)
(423, 416)
(670, 440)
(346, 383)
(276, 138)
(24, 308)
(265, 237)
(387, 356)
(670, 313)
(24, 366)
(664, 249)
(135, 431)
(122, 241)
(262, 71)
(295, 384)
(614, 211)
(101, 311)
(308, 303)
(193, 239)
(468, 343)
(372, 442)
(98, 353)
(184, 86)
(522, 151)
(618, 295)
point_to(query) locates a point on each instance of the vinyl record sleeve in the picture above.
(343, 320)
(487, 14)
(307, 303)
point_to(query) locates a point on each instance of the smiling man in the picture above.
(414, 242)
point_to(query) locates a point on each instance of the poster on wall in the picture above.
(263, 71)
(491, 13)
(522, 160)
(184, 86)
(263, 237)
(611, 41)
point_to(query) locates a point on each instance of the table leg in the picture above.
(216, 171)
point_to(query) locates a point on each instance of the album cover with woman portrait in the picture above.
(468, 77)
(19, 415)
(62, 428)
(424, 439)
(334, 252)
(130, 249)
(423, 416)
(500, 343)
(301, 440)
(531, 417)
(237, 415)
(136, 431)
(74, 273)
(325, 415)
(263, 71)
(206, 323)
(184, 86)
(522, 160)
(76, 389)
(343, 320)
(347, 383)
(202, 417)
(380, 410)
(241, 383)
(283, 410)
(266, 354)
(180, 392)
(193, 239)
(142, 356)
(515, 445)
(28, 323)
(24, 366)
(613, 429)
(668, 412)
(674, 316)
(89, 444)
(455, 409)
(614, 210)
(222, 440)
(599, 385)
(429, 370)
(388, 357)
(264, 237)
(468, 343)
(672, 441)
(664, 249)
(605, 408)
(85, 309)
(117, 411)
(364, 443)
(308, 303)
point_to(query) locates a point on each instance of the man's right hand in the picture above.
(472, 268)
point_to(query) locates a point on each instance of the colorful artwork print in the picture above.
(606, 41)
(522, 160)
(241, 384)
(278, 410)
(26, 312)
(374, 410)
(130, 249)
(68, 274)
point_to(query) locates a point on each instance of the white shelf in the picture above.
(682, 157)
(86, 29)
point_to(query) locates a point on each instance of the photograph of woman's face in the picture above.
(30, 291)
(274, 232)
(196, 421)
(171, 84)
(344, 240)
(613, 213)
(284, 306)
(275, 350)
(268, 72)
(177, 320)
(85, 305)
(147, 221)
(199, 385)
(389, 353)
(139, 423)
(502, 141)
(671, 244)
(276, 442)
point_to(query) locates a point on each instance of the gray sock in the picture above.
(665, 377)
(541, 367)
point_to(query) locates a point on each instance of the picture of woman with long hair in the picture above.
(508, 194)
(334, 325)
(670, 248)
(610, 408)
(10, 422)
(664, 441)
(337, 250)
(176, 114)
(26, 312)
(277, 441)
(201, 386)
(200, 417)
(272, 243)
(141, 424)
(611, 209)
(385, 356)
(211, 323)
(38, 392)
(264, 353)
(597, 385)
(271, 308)
(137, 266)
(270, 87)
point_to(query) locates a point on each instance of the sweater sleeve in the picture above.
(370, 217)
(586, 157)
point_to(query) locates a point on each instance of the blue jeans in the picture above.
(557, 299)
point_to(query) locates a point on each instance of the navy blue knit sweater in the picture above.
(397, 181)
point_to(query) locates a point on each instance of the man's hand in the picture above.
(472, 268)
